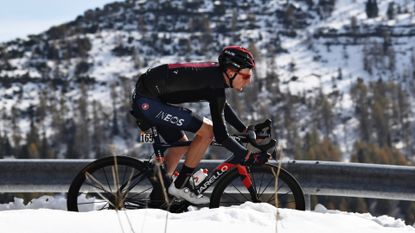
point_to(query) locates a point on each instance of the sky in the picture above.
(47, 215)
(19, 18)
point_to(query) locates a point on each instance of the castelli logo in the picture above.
(145, 106)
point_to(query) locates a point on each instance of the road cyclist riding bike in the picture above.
(154, 105)
(160, 87)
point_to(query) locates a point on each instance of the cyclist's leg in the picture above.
(200, 143)
(194, 153)
(197, 149)
(173, 154)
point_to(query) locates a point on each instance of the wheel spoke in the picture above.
(138, 194)
(269, 183)
(89, 177)
(127, 186)
(260, 184)
(232, 197)
(106, 178)
(89, 203)
(263, 183)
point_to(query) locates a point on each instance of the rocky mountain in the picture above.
(336, 76)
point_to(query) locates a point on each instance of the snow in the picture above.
(48, 215)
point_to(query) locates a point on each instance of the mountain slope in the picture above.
(67, 90)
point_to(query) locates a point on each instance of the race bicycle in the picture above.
(122, 182)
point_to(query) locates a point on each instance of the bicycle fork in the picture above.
(247, 181)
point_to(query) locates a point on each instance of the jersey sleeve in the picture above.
(217, 106)
(233, 119)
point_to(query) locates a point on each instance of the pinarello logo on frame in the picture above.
(145, 106)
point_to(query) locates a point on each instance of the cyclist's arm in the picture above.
(217, 106)
(233, 119)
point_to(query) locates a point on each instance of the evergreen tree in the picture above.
(359, 94)
(325, 114)
(32, 138)
(290, 19)
(82, 138)
(326, 7)
(71, 131)
(45, 149)
(98, 131)
(405, 112)
(380, 106)
(372, 153)
(2, 143)
(207, 37)
(372, 9)
(16, 132)
(354, 26)
(391, 12)
(291, 126)
(114, 98)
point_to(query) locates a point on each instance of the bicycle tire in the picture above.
(231, 191)
(94, 188)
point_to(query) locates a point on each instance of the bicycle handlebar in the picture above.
(259, 131)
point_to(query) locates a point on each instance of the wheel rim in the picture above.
(263, 190)
(104, 189)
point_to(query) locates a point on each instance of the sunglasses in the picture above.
(245, 76)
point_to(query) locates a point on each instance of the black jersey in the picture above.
(191, 82)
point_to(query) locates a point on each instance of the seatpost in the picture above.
(157, 141)
(160, 170)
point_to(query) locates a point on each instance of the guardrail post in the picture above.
(307, 198)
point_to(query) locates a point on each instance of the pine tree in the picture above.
(82, 138)
(359, 92)
(380, 113)
(353, 25)
(71, 132)
(98, 133)
(207, 37)
(291, 127)
(311, 142)
(372, 9)
(2, 145)
(32, 139)
(404, 114)
(114, 97)
(234, 27)
(326, 113)
(16, 132)
(391, 12)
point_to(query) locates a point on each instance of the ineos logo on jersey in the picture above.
(170, 118)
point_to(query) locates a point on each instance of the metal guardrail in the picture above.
(316, 178)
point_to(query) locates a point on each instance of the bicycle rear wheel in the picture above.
(111, 183)
(231, 191)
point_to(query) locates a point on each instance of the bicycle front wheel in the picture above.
(266, 187)
(111, 183)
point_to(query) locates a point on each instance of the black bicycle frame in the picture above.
(218, 172)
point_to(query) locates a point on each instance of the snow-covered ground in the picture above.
(16, 217)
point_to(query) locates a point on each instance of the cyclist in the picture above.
(164, 85)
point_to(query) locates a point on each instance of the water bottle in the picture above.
(199, 176)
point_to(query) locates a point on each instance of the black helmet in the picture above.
(237, 57)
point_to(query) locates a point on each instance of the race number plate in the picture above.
(146, 137)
